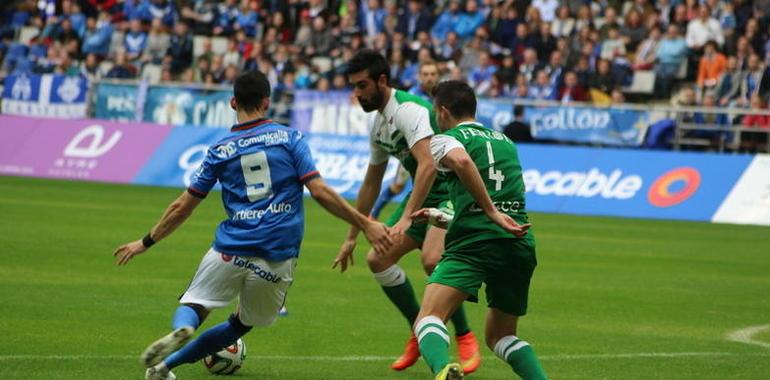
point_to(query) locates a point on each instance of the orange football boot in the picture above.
(468, 350)
(410, 356)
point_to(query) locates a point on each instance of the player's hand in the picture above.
(126, 252)
(420, 216)
(345, 255)
(510, 225)
(432, 216)
(379, 237)
(402, 225)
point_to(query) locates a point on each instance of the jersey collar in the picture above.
(392, 104)
(476, 123)
(250, 124)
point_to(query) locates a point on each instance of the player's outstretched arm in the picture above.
(463, 166)
(375, 232)
(423, 181)
(176, 213)
(367, 195)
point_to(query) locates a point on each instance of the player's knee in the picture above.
(236, 323)
(376, 263)
(199, 310)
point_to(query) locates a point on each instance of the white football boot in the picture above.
(159, 372)
(158, 350)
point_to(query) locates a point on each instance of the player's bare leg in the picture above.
(467, 344)
(501, 338)
(438, 303)
(399, 290)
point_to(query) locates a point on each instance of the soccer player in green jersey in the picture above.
(403, 126)
(487, 239)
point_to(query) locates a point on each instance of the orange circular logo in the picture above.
(674, 187)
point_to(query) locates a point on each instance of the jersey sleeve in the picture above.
(303, 160)
(413, 120)
(204, 178)
(440, 145)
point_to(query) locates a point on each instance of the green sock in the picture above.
(433, 338)
(399, 290)
(521, 357)
(460, 321)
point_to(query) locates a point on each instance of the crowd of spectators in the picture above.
(566, 51)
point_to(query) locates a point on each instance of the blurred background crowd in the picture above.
(713, 53)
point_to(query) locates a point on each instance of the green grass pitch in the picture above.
(611, 298)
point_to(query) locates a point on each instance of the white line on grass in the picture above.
(747, 335)
(632, 355)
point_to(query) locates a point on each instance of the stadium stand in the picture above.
(643, 50)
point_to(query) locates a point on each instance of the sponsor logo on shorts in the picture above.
(261, 273)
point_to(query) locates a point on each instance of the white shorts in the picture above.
(262, 286)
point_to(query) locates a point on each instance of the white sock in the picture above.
(393, 276)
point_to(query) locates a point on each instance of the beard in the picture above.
(372, 104)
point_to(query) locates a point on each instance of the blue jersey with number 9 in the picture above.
(262, 167)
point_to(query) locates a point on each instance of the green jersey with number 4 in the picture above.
(497, 160)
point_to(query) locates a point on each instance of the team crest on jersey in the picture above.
(225, 150)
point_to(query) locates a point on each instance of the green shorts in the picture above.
(505, 265)
(416, 231)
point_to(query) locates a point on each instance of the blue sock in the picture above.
(211, 341)
(382, 200)
(185, 316)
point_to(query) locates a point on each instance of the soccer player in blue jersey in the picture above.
(262, 167)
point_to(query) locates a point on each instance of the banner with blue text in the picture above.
(49, 95)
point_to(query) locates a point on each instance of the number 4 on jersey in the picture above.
(494, 175)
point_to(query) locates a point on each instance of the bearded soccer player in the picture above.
(262, 167)
(429, 76)
(402, 128)
(487, 239)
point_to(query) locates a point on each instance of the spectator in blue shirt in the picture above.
(72, 12)
(371, 18)
(469, 21)
(98, 36)
(164, 10)
(135, 41)
(542, 88)
(670, 53)
(481, 75)
(247, 19)
(137, 10)
(446, 22)
(227, 14)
